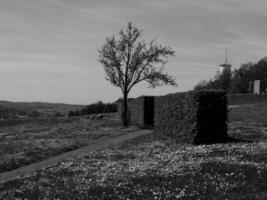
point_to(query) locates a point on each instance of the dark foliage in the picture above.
(149, 106)
(238, 81)
(241, 79)
(197, 117)
(95, 108)
(7, 114)
(140, 111)
(211, 117)
(71, 113)
(220, 82)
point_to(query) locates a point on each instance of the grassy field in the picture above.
(248, 121)
(35, 106)
(148, 167)
(33, 141)
(151, 167)
(255, 113)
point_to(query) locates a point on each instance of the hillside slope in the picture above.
(36, 106)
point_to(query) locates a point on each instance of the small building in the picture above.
(258, 86)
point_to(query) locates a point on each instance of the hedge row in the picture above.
(196, 117)
(140, 111)
(237, 99)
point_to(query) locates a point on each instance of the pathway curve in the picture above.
(92, 147)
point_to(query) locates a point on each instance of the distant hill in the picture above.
(40, 106)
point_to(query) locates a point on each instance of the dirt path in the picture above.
(92, 147)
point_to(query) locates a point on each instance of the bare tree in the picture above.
(128, 61)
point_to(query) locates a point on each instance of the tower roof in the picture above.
(226, 63)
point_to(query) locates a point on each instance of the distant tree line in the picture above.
(95, 108)
(238, 80)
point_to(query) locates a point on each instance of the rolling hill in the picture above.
(39, 106)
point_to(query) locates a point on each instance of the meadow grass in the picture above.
(151, 167)
(256, 113)
(155, 167)
(32, 141)
(248, 122)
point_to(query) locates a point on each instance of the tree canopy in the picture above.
(239, 79)
(127, 61)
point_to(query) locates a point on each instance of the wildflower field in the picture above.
(151, 167)
(35, 140)
(148, 167)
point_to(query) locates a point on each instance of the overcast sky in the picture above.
(48, 48)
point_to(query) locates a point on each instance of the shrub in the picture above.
(140, 111)
(194, 117)
(95, 108)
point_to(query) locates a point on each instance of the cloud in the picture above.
(56, 41)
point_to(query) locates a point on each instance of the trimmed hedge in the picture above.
(196, 117)
(140, 111)
(237, 99)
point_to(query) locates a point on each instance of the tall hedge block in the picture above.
(195, 117)
(140, 111)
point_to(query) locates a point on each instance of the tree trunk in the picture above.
(125, 119)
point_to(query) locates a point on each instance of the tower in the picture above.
(226, 66)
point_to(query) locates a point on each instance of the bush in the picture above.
(95, 108)
(140, 111)
(194, 117)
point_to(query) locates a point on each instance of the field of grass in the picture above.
(35, 106)
(148, 167)
(255, 113)
(151, 167)
(33, 141)
(248, 122)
